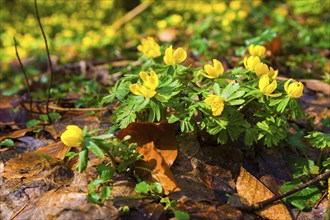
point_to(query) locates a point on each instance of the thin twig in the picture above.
(26, 77)
(131, 14)
(49, 61)
(267, 202)
(77, 109)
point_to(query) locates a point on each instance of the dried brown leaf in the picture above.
(254, 191)
(157, 144)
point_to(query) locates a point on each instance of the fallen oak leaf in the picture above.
(157, 144)
(254, 192)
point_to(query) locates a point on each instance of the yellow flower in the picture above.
(295, 89)
(217, 104)
(150, 83)
(257, 50)
(178, 56)
(149, 47)
(251, 62)
(214, 71)
(235, 5)
(73, 136)
(268, 88)
(262, 69)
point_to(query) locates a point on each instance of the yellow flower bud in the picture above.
(257, 50)
(149, 47)
(73, 136)
(295, 89)
(178, 56)
(216, 103)
(251, 62)
(268, 88)
(262, 69)
(214, 71)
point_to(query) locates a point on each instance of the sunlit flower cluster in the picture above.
(267, 75)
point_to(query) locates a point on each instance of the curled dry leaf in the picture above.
(157, 144)
(254, 191)
(31, 163)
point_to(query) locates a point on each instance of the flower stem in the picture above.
(245, 104)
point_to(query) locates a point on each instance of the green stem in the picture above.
(26, 78)
(245, 104)
(49, 61)
(112, 159)
(318, 163)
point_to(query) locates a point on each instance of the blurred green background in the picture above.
(297, 33)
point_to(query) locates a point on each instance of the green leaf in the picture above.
(181, 215)
(105, 172)
(33, 122)
(319, 139)
(229, 90)
(71, 155)
(142, 187)
(93, 197)
(83, 157)
(296, 142)
(263, 38)
(54, 115)
(102, 137)
(94, 183)
(7, 143)
(105, 193)
(95, 149)
(304, 199)
(236, 102)
(173, 118)
(326, 162)
(216, 89)
(300, 166)
(122, 90)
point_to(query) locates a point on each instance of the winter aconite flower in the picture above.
(150, 83)
(268, 88)
(262, 69)
(216, 103)
(257, 50)
(149, 47)
(73, 136)
(251, 62)
(214, 71)
(295, 89)
(174, 57)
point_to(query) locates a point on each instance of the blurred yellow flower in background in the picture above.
(262, 69)
(174, 57)
(149, 47)
(257, 50)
